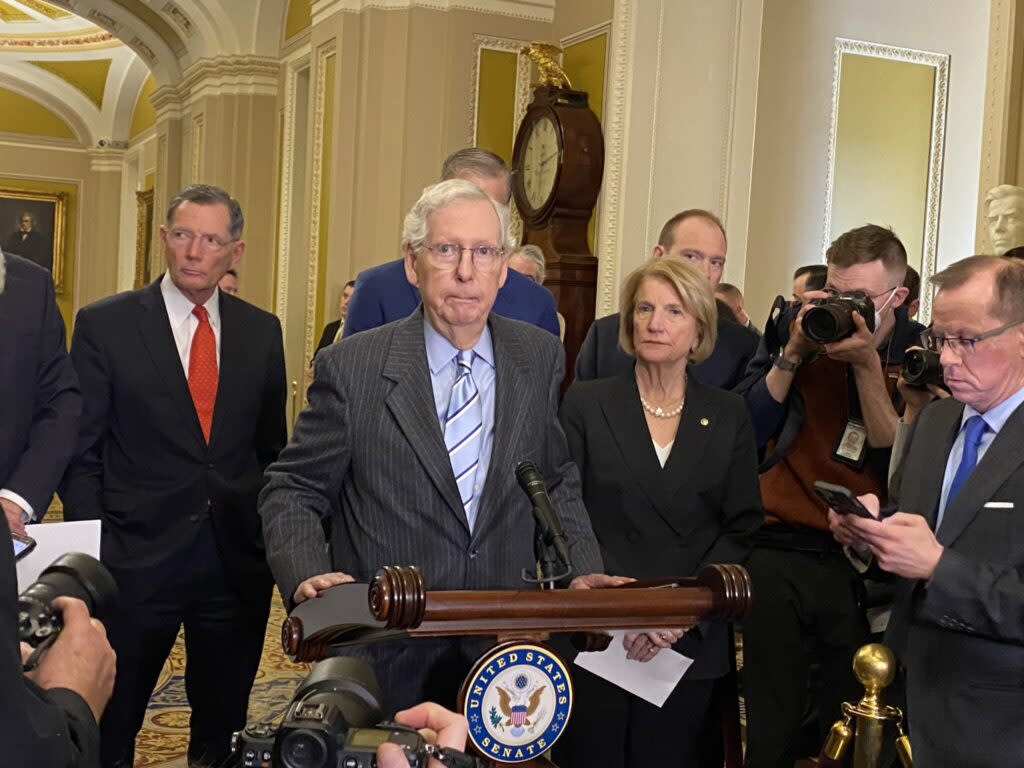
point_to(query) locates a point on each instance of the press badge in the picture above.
(852, 446)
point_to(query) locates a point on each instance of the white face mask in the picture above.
(878, 312)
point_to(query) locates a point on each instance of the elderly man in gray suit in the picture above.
(407, 451)
(958, 622)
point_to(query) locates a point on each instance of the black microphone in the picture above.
(531, 481)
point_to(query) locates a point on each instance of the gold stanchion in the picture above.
(863, 723)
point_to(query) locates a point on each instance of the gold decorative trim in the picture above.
(198, 126)
(288, 144)
(49, 11)
(532, 10)
(607, 243)
(60, 212)
(94, 40)
(316, 191)
(143, 241)
(522, 98)
(940, 62)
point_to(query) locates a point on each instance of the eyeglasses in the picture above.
(183, 238)
(960, 345)
(832, 292)
(447, 255)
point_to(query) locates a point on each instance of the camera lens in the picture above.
(76, 575)
(304, 749)
(922, 367)
(827, 322)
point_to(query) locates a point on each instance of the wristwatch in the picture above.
(783, 364)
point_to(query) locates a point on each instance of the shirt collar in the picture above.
(179, 306)
(996, 416)
(440, 351)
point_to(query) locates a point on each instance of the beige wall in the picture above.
(793, 112)
(572, 16)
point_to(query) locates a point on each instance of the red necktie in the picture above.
(202, 370)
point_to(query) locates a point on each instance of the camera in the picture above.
(332, 720)
(73, 575)
(921, 367)
(831, 319)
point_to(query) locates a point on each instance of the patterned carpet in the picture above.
(164, 737)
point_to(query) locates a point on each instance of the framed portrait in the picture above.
(143, 237)
(32, 226)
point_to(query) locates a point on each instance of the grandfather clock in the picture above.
(558, 161)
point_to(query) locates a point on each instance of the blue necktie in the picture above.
(974, 431)
(463, 432)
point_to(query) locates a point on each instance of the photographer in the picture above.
(443, 728)
(823, 410)
(48, 717)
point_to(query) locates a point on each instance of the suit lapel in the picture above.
(232, 366)
(158, 339)
(1001, 460)
(512, 366)
(411, 402)
(940, 440)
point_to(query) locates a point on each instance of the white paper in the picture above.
(652, 680)
(54, 540)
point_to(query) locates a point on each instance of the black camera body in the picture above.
(831, 319)
(921, 367)
(73, 575)
(333, 720)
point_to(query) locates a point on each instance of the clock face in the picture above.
(540, 162)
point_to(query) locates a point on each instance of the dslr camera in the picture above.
(831, 319)
(921, 367)
(73, 575)
(334, 719)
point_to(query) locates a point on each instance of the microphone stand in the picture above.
(549, 569)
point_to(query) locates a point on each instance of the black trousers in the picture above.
(614, 729)
(223, 642)
(807, 608)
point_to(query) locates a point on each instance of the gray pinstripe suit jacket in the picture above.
(368, 458)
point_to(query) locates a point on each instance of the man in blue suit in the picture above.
(384, 294)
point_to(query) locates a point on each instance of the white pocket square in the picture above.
(998, 505)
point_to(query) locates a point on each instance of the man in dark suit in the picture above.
(958, 541)
(29, 243)
(47, 718)
(385, 294)
(334, 330)
(39, 392)
(410, 442)
(696, 236)
(184, 391)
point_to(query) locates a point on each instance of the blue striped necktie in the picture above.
(974, 431)
(463, 432)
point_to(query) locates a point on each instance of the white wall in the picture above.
(794, 111)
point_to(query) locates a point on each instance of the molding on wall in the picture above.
(586, 34)
(316, 191)
(29, 141)
(198, 134)
(530, 10)
(729, 119)
(651, 171)
(940, 62)
(617, 73)
(288, 142)
(106, 160)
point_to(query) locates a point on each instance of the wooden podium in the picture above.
(520, 687)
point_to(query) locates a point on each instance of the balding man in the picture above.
(383, 293)
(696, 236)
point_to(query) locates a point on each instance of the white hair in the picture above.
(441, 195)
(536, 255)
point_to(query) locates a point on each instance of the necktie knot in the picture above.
(200, 312)
(465, 361)
(974, 430)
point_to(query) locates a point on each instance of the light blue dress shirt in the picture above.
(441, 356)
(995, 418)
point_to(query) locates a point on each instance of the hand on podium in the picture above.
(598, 581)
(438, 725)
(314, 585)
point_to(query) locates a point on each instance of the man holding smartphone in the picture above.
(957, 540)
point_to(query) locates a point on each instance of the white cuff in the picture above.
(27, 513)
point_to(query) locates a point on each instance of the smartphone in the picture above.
(22, 545)
(841, 499)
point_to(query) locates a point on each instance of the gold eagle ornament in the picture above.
(545, 56)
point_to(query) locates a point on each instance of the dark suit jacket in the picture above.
(34, 248)
(327, 337)
(371, 438)
(38, 386)
(38, 728)
(383, 294)
(143, 466)
(652, 522)
(961, 635)
(601, 356)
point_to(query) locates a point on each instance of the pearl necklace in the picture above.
(660, 412)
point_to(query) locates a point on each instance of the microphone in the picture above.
(531, 481)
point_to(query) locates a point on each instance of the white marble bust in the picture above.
(1004, 212)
